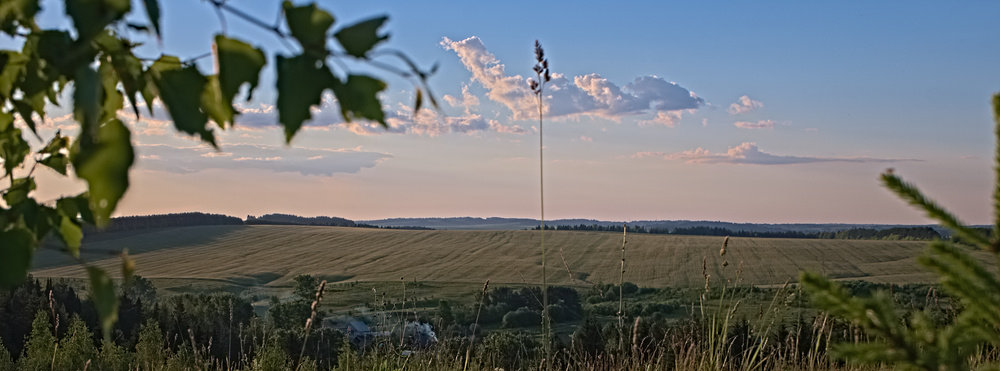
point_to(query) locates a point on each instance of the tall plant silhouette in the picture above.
(917, 342)
(537, 86)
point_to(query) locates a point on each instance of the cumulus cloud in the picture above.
(748, 153)
(591, 94)
(743, 105)
(762, 124)
(306, 161)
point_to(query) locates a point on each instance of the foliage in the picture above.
(6, 363)
(77, 348)
(508, 350)
(149, 351)
(113, 357)
(39, 350)
(917, 342)
(95, 63)
(271, 358)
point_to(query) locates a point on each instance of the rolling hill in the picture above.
(270, 255)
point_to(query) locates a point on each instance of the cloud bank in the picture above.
(588, 95)
(305, 161)
(747, 153)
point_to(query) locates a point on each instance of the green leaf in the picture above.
(87, 99)
(19, 190)
(58, 50)
(359, 38)
(213, 104)
(13, 148)
(153, 12)
(25, 110)
(127, 67)
(14, 13)
(54, 157)
(419, 102)
(77, 205)
(16, 249)
(181, 91)
(57, 162)
(358, 98)
(301, 82)
(308, 25)
(128, 266)
(91, 16)
(102, 292)
(113, 99)
(239, 63)
(104, 164)
(13, 66)
(71, 234)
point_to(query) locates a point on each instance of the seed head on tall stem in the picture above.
(541, 69)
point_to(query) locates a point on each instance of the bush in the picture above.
(508, 350)
(521, 317)
(271, 358)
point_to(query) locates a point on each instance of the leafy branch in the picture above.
(96, 61)
(917, 342)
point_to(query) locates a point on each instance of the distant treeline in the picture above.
(898, 233)
(129, 223)
(286, 219)
(404, 227)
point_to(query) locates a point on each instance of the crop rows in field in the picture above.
(272, 255)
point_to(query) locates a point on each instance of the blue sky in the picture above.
(787, 112)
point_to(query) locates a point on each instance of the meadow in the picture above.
(269, 256)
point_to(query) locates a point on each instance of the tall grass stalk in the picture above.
(621, 292)
(541, 69)
(312, 318)
(475, 326)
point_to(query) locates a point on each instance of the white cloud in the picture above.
(743, 105)
(748, 153)
(590, 94)
(761, 124)
(468, 101)
(306, 161)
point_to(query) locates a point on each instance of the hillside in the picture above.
(273, 254)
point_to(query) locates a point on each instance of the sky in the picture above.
(767, 112)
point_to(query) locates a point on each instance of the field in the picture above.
(263, 257)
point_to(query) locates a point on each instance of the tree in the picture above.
(41, 345)
(917, 342)
(6, 364)
(149, 351)
(77, 348)
(95, 64)
(305, 287)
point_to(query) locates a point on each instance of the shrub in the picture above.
(508, 350)
(521, 317)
